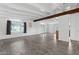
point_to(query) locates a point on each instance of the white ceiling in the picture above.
(32, 11)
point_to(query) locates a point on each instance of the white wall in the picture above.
(75, 26)
(52, 28)
(35, 29)
(63, 27)
(3, 26)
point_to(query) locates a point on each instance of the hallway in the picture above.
(41, 44)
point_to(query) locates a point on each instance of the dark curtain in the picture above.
(25, 27)
(8, 27)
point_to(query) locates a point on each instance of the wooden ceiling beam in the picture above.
(76, 10)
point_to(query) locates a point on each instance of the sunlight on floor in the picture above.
(43, 36)
(55, 40)
(70, 48)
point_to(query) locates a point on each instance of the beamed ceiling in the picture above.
(32, 11)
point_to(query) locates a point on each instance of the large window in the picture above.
(17, 27)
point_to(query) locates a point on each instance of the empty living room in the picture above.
(39, 28)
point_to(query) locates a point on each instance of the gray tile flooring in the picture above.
(42, 44)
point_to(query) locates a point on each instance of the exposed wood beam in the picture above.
(59, 14)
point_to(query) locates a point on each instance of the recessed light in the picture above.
(42, 23)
